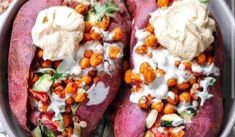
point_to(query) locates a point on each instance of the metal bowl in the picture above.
(219, 10)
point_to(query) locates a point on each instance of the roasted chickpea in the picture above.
(151, 41)
(210, 60)
(144, 102)
(160, 72)
(158, 105)
(172, 82)
(147, 71)
(104, 23)
(44, 107)
(185, 97)
(39, 53)
(88, 26)
(88, 53)
(114, 52)
(81, 8)
(194, 90)
(135, 77)
(84, 63)
(95, 35)
(142, 50)
(71, 88)
(169, 109)
(46, 64)
(87, 80)
(177, 63)
(117, 34)
(192, 81)
(162, 3)
(187, 65)
(144, 66)
(201, 59)
(56, 83)
(96, 59)
(80, 97)
(127, 76)
(183, 86)
(179, 133)
(87, 37)
(150, 28)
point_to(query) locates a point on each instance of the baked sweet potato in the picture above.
(130, 118)
(25, 59)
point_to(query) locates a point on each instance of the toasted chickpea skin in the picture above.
(192, 81)
(39, 53)
(201, 59)
(117, 34)
(81, 8)
(187, 64)
(135, 78)
(46, 64)
(172, 82)
(183, 86)
(158, 106)
(88, 26)
(143, 102)
(160, 71)
(71, 88)
(194, 90)
(177, 63)
(169, 109)
(142, 50)
(113, 52)
(185, 97)
(127, 76)
(87, 36)
(104, 23)
(87, 80)
(96, 59)
(88, 53)
(162, 3)
(150, 28)
(151, 41)
(210, 60)
(84, 63)
(144, 66)
(44, 107)
(80, 97)
(95, 36)
(148, 72)
(92, 73)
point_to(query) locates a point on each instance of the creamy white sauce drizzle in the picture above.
(97, 93)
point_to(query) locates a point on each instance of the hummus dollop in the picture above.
(184, 28)
(58, 31)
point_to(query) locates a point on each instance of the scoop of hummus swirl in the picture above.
(184, 28)
(58, 31)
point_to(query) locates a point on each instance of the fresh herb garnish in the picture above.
(57, 76)
(203, 1)
(106, 9)
(45, 131)
(74, 108)
(212, 82)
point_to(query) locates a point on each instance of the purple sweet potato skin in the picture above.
(129, 120)
(21, 54)
(93, 114)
